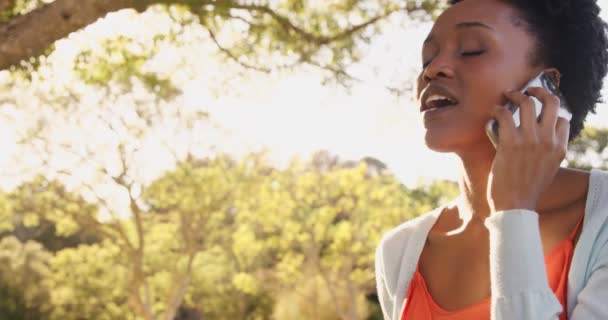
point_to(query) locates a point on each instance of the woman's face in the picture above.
(473, 54)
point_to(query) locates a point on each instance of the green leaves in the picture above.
(49, 201)
(589, 149)
(121, 61)
(6, 215)
(90, 279)
(230, 238)
(24, 269)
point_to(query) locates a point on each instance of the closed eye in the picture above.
(466, 54)
(472, 53)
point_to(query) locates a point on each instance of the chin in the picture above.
(447, 142)
(440, 148)
(439, 144)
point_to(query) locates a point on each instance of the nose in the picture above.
(439, 67)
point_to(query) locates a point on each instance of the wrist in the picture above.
(497, 206)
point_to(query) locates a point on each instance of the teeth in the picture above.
(436, 97)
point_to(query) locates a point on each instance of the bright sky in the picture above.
(293, 113)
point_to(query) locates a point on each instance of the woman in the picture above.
(526, 239)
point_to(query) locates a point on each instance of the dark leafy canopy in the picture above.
(261, 35)
(44, 211)
(24, 268)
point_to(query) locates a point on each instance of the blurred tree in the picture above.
(24, 267)
(223, 239)
(198, 200)
(320, 223)
(322, 33)
(111, 137)
(112, 142)
(589, 150)
(89, 282)
(45, 212)
(6, 214)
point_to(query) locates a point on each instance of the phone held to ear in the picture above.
(544, 80)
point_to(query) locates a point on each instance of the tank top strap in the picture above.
(578, 225)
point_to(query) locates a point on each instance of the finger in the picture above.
(562, 132)
(550, 107)
(506, 125)
(527, 113)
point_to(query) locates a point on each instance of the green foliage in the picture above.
(259, 35)
(324, 219)
(121, 61)
(268, 35)
(310, 299)
(23, 269)
(436, 192)
(12, 306)
(242, 239)
(197, 200)
(222, 290)
(6, 214)
(9, 9)
(198, 195)
(89, 282)
(45, 211)
(589, 150)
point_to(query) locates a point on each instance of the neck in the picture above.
(473, 185)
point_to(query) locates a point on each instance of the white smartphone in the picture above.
(543, 80)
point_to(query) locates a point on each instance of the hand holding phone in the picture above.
(531, 149)
(544, 80)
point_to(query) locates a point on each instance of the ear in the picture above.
(554, 74)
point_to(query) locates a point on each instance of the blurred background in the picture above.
(227, 159)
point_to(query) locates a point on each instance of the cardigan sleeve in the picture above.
(520, 289)
(592, 299)
(384, 297)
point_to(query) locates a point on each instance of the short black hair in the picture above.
(572, 38)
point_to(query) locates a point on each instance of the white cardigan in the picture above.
(520, 289)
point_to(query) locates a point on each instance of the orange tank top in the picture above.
(421, 306)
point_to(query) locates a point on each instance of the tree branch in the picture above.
(319, 40)
(99, 226)
(6, 4)
(30, 34)
(178, 290)
(232, 56)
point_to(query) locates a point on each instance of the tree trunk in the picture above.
(30, 34)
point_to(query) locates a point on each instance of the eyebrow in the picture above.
(466, 24)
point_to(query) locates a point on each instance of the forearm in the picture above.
(520, 289)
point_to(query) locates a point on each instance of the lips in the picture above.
(436, 96)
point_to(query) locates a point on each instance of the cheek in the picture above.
(496, 74)
(485, 88)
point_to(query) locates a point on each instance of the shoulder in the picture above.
(397, 246)
(398, 242)
(396, 238)
(398, 252)
(596, 198)
(594, 234)
(598, 189)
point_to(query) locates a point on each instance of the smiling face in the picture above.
(476, 50)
